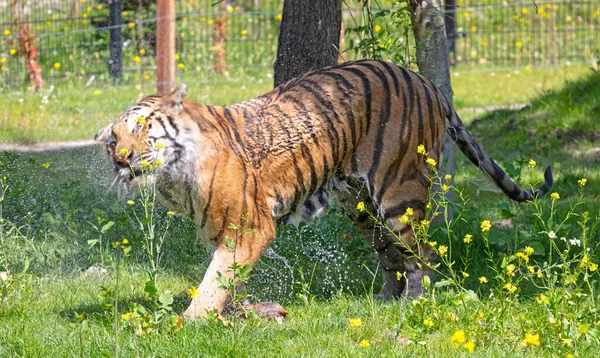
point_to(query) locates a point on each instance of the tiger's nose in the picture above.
(123, 156)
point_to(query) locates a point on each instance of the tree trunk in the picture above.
(433, 61)
(309, 37)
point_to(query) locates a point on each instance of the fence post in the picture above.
(116, 42)
(165, 47)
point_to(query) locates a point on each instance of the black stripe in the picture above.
(383, 121)
(209, 200)
(400, 208)
(366, 91)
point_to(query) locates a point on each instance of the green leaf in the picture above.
(91, 243)
(106, 227)
(583, 328)
(538, 248)
(150, 289)
(166, 298)
(443, 283)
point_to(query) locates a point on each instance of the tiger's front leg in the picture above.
(248, 250)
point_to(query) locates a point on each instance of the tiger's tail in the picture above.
(473, 151)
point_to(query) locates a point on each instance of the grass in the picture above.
(47, 211)
(74, 112)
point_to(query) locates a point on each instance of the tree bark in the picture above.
(433, 60)
(309, 37)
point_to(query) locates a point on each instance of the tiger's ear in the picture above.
(103, 134)
(175, 98)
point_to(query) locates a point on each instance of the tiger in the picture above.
(347, 134)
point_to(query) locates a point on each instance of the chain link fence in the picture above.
(52, 40)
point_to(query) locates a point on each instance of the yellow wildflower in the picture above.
(404, 219)
(278, 17)
(469, 346)
(376, 28)
(364, 343)
(180, 65)
(539, 274)
(46, 165)
(542, 299)
(142, 51)
(230, 9)
(510, 287)
(519, 44)
(531, 340)
(398, 275)
(432, 243)
(531, 269)
(125, 241)
(555, 196)
(524, 11)
(130, 202)
(141, 120)
(244, 32)
(57, 65)
(7, 32)
(486, 225)
(124, 151)
(522, 256)
(159, 145)
(193, 292)
(467, 238)
(355, 323)
(584, 261)
(593, 267)
(582, 181)
(443, 250)
(445, 188)
(126, 316)
(510, 270)
(3, 59)
(131, 25)
(12, 51)
(448, 177)
(431, 162)
(428, 322)
(360, 207)
(465, 274)
(158, 163)
(100, 7)
(483, 279)
(458, 337)
(528, 250)
(145, 163)
(531, 163)
(421, 149)
(170, 213)
(137, 59)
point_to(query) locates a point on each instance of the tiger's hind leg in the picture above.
(404, 261)
(398, 267)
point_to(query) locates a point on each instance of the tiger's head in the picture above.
(142, 142)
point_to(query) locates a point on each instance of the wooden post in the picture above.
(116, 40)
(165, 47)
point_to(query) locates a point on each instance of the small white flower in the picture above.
(575, 242)
(564, 239)
(552, 235)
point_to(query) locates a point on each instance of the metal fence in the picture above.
(501, 33)
(68, 40)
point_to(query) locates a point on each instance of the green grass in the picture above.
(75, 112)
(47, 211)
